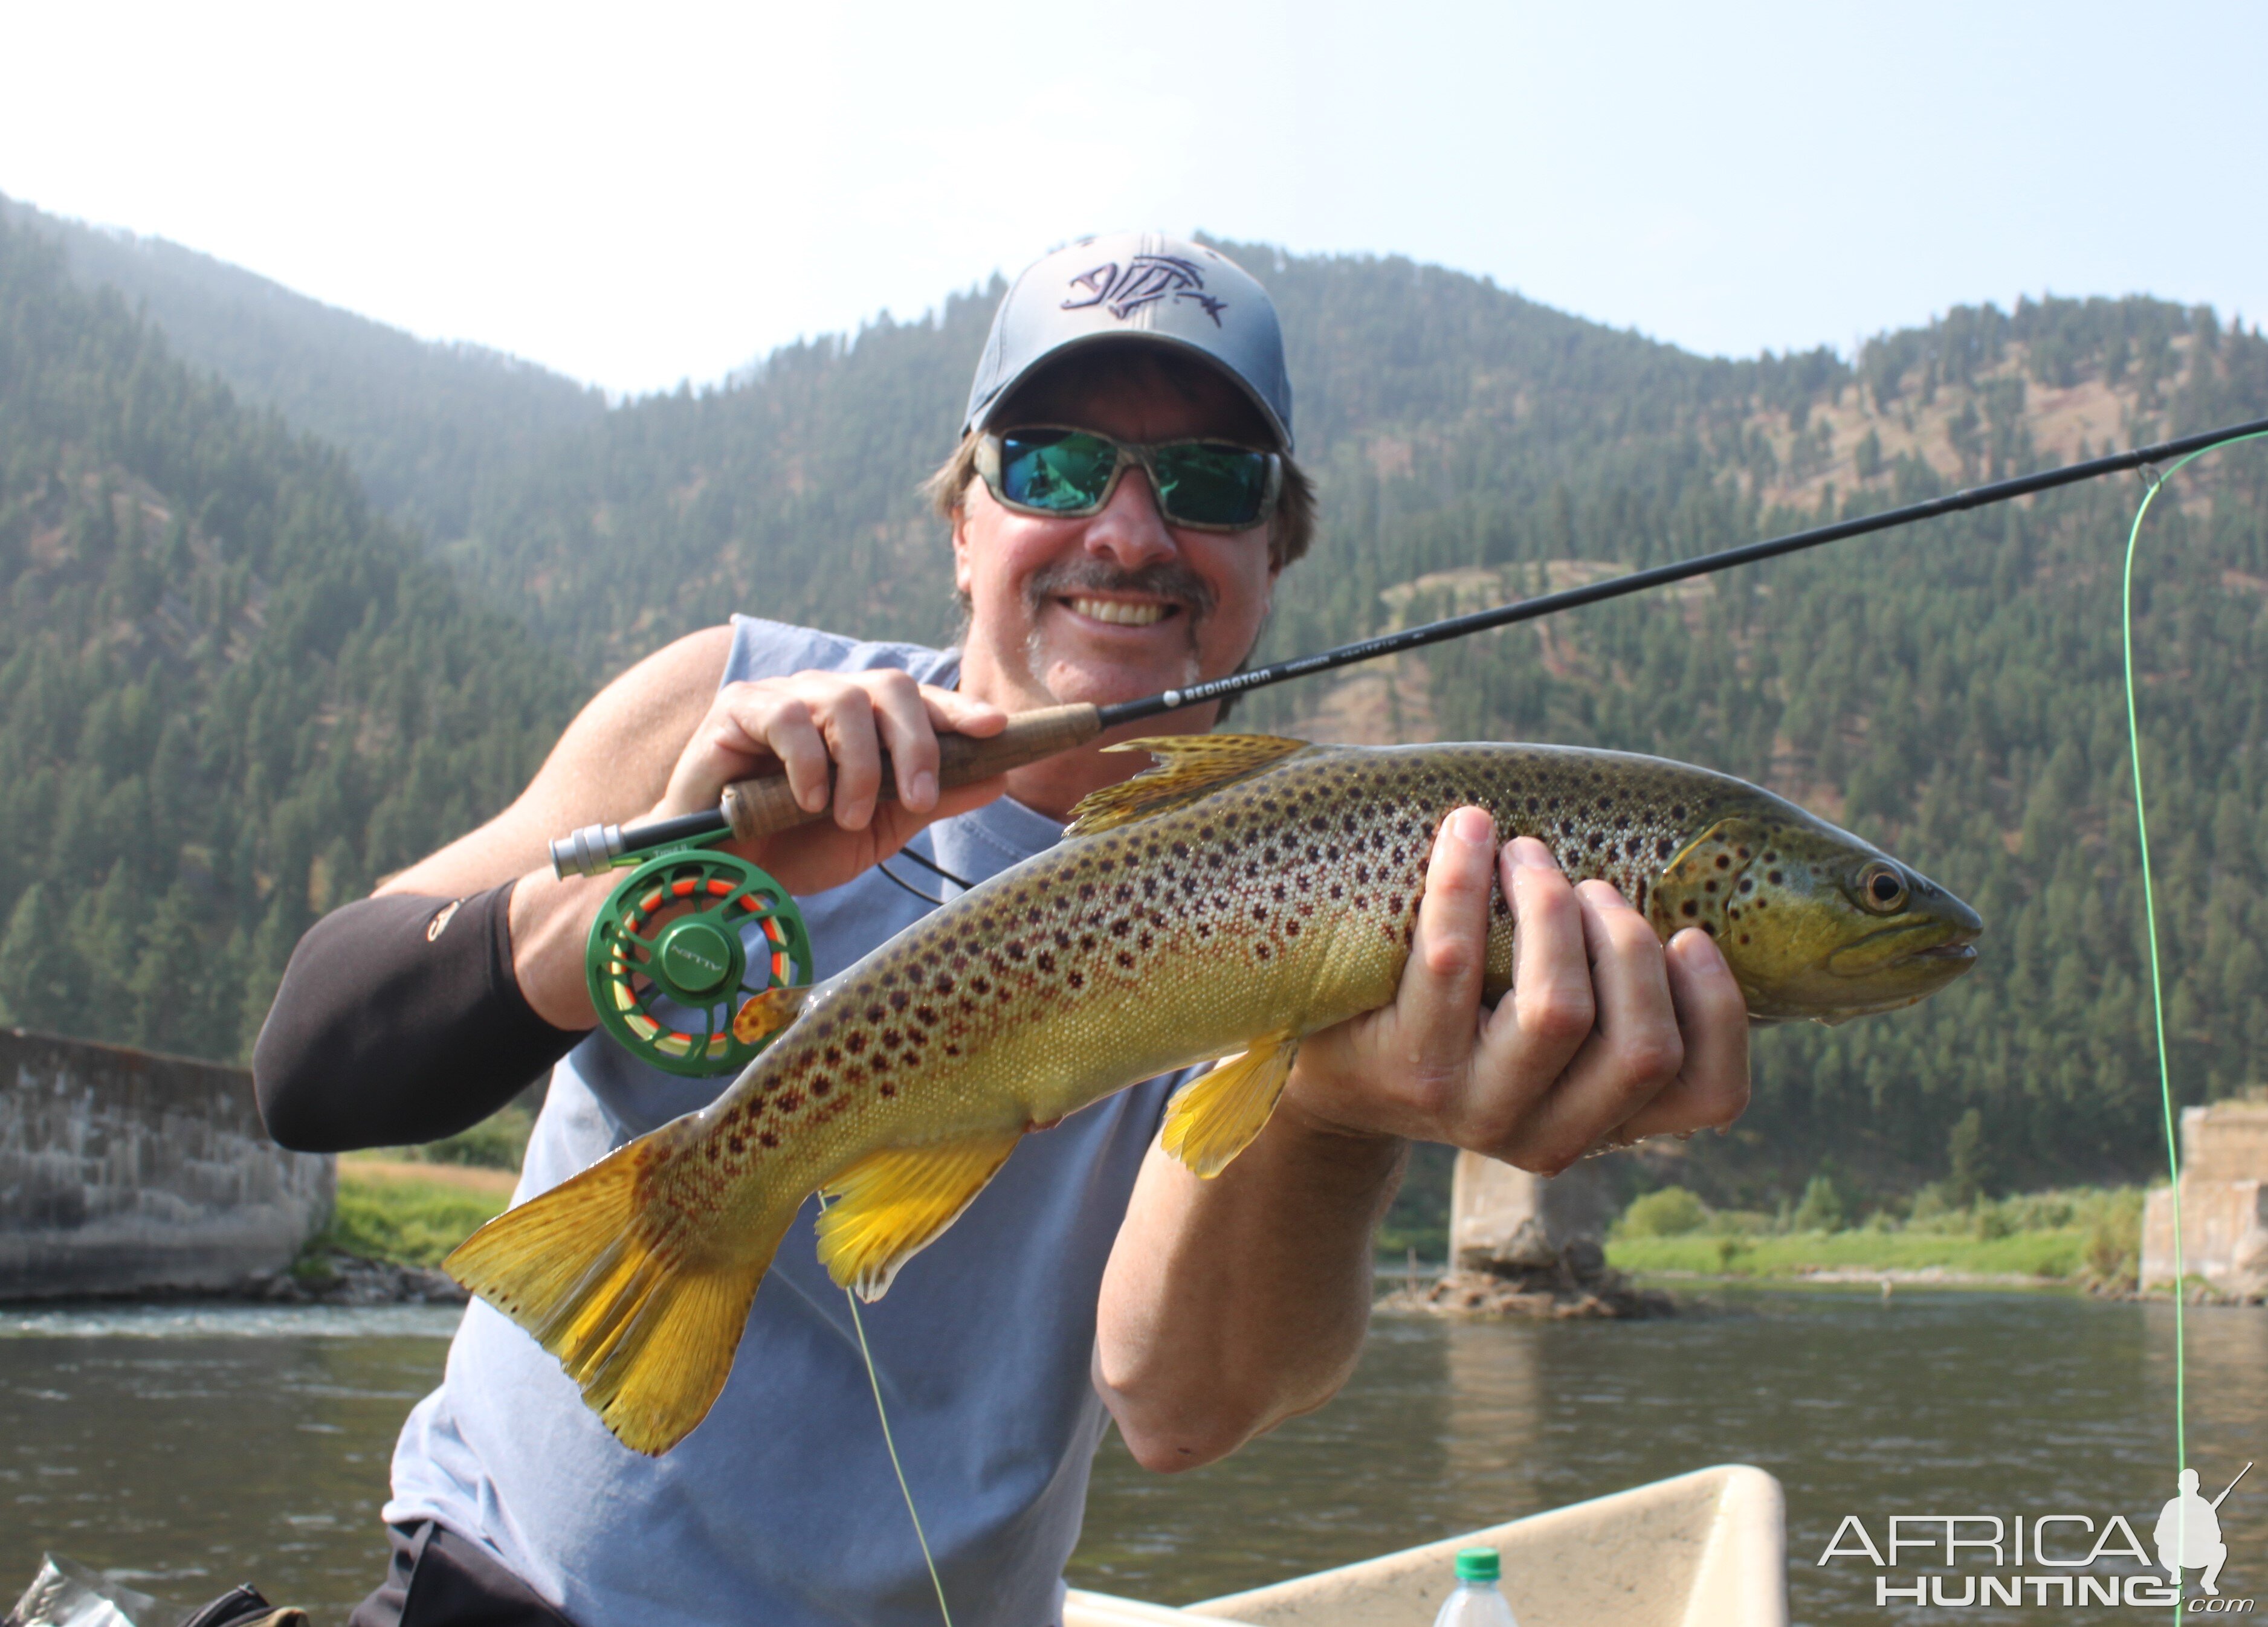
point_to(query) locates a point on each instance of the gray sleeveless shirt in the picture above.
(782, 1507)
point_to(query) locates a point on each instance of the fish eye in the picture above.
(1882, 888)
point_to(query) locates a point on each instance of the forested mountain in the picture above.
(422, 423)
(1950, 692)
(231, 694)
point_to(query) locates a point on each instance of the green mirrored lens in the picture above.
(1061, 472)
(1212, 485)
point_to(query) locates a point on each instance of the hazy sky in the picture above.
(637, 195)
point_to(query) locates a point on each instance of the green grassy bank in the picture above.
(411, 1205)
(2080, 1236)
(386, 1210)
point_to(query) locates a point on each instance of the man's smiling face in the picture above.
(1120, 603)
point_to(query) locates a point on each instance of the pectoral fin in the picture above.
(1215, 1116)
(892, 1204)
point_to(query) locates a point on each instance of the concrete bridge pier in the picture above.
(125, 1173)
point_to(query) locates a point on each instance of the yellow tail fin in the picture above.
(644, 1317)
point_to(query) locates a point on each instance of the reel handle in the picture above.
(758, 807)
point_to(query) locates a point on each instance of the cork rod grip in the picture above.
(759, 807)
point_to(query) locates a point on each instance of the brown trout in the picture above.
(1248, 892)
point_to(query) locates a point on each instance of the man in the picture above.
(1098, 559)
(2189, 1533)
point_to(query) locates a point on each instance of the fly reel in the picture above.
(683, 942)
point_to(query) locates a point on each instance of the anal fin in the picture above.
(1216, 1115)
(891, 1205)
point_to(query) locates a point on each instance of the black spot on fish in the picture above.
(1689, 908)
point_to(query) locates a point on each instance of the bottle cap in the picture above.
(1477, 1565)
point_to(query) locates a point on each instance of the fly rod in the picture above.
(757, 807)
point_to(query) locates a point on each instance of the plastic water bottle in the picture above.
(1476, 1602)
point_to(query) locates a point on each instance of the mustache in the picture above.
(1069, 578)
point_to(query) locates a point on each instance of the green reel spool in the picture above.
(685, 940)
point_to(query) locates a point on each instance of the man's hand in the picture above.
(812, 723)
(666, 728)
(1605, 1037)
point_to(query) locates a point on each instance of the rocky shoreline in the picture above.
(1573, 1284)
(326, 1276)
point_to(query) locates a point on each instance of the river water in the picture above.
(190, 1449)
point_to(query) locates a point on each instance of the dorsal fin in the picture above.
(1190, 766)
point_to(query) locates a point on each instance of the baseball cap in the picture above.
(1140, 286)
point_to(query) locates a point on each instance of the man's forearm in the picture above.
(1232, 1304)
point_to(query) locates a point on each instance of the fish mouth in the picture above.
(1961, 953)
(1951, 949)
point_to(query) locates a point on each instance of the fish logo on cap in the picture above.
(1142, 281)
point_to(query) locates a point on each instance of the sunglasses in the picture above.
(1065, 473)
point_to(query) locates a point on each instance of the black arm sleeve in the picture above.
(398, 1020)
